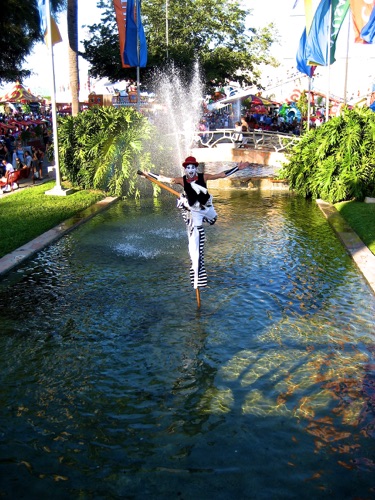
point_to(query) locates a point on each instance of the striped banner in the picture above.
(120, 10)
(133, 46)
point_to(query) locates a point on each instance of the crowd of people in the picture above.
(30, 162)
(18, 154)
(272, 122)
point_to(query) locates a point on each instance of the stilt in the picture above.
(198, 297)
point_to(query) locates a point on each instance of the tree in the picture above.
(72, 23)
(210, 31)
(19, 32)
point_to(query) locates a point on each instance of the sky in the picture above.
(359, 66)
(288, 21)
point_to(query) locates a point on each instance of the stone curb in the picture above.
(17, 257)
(362, 256)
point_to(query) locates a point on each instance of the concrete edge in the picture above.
(21, 254)
(362, 256)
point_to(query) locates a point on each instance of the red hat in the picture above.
(190, 160)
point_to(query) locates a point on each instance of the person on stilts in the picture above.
(197, 208)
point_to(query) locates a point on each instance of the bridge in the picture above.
(255, 139)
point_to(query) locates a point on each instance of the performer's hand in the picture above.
(243, 164)
(162, 178)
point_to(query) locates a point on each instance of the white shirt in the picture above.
(9, 168)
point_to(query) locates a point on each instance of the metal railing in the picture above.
(256, 139)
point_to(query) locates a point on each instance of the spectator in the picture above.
(27, 159)
(37, 157)
(46, 138)
(8, 169)
(240, 137)
(9, 141)
(3, 151)
(19, 152)
(19, 164)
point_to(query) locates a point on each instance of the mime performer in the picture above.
(197, 208)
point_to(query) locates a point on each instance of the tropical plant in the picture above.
(303, 106)
(335, 162)
(214, 33)
(102, 148)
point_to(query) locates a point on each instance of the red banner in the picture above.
(120, 9)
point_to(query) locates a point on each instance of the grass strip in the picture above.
(361, 218)
(28, 213)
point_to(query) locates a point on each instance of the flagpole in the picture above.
(166, 26)
(138, 11)
(329, 60)
(309, 104)
(347, 63)
(57, 189)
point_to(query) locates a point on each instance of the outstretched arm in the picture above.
(168, 180)
(227, 173)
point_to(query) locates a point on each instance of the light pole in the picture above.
(57, 190)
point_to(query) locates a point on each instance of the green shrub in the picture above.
(335, 162)
(102, 148)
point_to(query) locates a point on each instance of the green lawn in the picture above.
(28, 213)
(361, 218)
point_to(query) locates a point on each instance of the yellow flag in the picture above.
(310, 8)
(56, 36)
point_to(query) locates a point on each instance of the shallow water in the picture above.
(114, 385)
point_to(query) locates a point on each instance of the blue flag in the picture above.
(325, 27)
(368, 30)
(302, 65)
(317, 42)
(42, 15)
(135, 34)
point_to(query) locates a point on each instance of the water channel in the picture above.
(114, 384)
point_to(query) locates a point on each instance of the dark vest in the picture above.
(192, 196)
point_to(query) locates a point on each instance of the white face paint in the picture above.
(191, 171)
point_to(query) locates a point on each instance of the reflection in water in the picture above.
(114, 385)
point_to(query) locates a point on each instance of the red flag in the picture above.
(361, 11)
(120, 9)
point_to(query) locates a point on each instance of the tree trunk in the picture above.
(72, 21)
